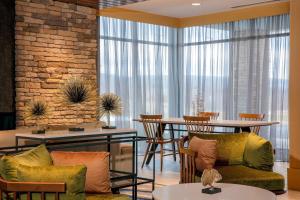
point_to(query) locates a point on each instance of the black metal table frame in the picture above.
(92, 140)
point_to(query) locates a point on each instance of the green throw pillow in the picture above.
(258, 153)
(73, 176)
(38, 156)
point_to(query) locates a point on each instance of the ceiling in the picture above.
(184, 8)
(101, 3)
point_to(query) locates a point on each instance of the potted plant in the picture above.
(77, 93)
(37, 110)
(109, 104)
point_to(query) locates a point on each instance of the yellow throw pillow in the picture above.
(97, 163)
(72, 176)
(38, 156)
(206, 152)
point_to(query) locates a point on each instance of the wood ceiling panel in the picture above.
(101, 3)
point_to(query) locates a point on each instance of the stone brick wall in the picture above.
(54, 41)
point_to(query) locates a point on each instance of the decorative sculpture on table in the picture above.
(37, 110)
(78, 93)
(209, 178)
(109, 104)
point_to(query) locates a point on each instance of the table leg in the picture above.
(134, 188)
(173, 144)
(153, 147)
(153, 173)
(17, 143)
(108, 143)
(111, 158)
(246, 129)
(136, 165)
(237, 130)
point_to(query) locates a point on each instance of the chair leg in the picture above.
(161, 156)
(146, 154)
(173, 145)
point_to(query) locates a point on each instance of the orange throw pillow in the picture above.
(206, 152)
(97, 163)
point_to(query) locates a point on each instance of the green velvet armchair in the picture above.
(31, 175)
(238, 161)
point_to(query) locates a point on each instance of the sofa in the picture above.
(242, 158)
(39, 174)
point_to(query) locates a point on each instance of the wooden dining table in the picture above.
(237, 125)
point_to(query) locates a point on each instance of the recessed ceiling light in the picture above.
(196, 4)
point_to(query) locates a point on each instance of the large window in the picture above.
(239, 67)
(232, 68)
(137, 63)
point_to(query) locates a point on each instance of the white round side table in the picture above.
(193, 191)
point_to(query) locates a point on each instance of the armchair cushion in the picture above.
(239, 174)
(258, 153)
(97, 163)
(38, 156)
(206, 153)
(73, 176)
(230, 147)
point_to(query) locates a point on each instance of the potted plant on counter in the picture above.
(109, 104)
(37, 110)
(77, 93)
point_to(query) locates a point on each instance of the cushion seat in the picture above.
(239, 174)
(106, 197)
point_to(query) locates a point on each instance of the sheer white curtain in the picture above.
(137, 63)
(235, 67)
(239, 67)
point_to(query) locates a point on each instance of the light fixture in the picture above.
(196, 4)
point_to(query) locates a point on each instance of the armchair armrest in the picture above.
(31, 187)
(187, 163)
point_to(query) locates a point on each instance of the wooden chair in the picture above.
(252, 117)
(187, 162)
(212, 116)
(154, 131)
(196, 124)
(15, 189)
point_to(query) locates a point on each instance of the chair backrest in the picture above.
(252, 117)
(196, 124)
(187, 163)
(152, 126)
(211, 115)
